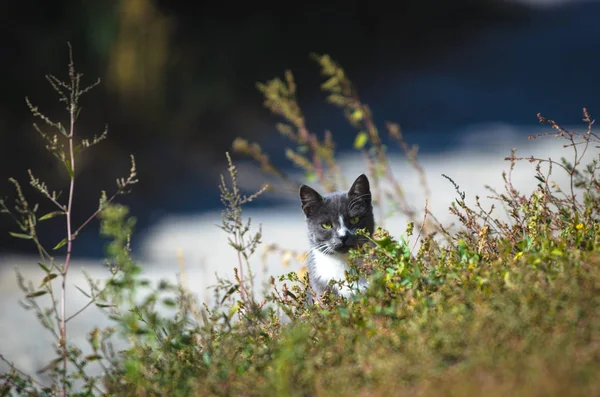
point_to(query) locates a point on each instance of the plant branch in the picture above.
(12, 366)
(74, 93)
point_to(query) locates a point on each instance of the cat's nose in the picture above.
(344, 238)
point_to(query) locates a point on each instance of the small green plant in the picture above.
(63, 143)
(233, 224)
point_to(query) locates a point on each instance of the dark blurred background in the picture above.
(179, 83)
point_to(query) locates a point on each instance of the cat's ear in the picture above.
(310, 199)
(361, 188)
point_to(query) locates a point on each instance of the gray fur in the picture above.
(328, 208)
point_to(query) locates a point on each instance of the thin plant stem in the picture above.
(63, 315)
(63, 297)
(12, 366)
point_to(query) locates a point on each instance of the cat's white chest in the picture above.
(333, 267)
(330, 267)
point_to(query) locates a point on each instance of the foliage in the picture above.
(505, 305)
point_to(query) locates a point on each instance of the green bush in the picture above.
(503, 305)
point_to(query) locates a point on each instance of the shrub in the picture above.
(506, 304)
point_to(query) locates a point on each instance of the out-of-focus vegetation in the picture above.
(178, 82)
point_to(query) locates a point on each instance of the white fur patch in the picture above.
(343, 230)
(332, 267)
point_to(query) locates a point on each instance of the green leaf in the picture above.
(51, 365)
(36, 294)
(343, 312)
(44, 267)
(361, 140)
(51, 215)
(69, 168)
(233, 310)
(49, 277)
(102, 305)
(60, 244)
(311, 176)
(21, 235)
(229, 293)
(206, 358)
(384, 242)
(331, 83)
(94, 338)
(400, 268)
(357, 115)
(169, 302)
(93, 357)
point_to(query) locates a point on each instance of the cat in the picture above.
(332, 221)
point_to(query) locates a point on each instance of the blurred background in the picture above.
(179, 84)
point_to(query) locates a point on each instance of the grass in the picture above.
(505, 304)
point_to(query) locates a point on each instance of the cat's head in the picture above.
(333, 219)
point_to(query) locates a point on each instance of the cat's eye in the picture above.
(326, 225)
(355, 220)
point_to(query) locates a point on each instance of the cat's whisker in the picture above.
(318, 248)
